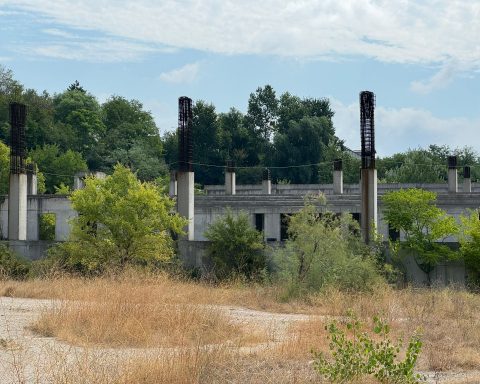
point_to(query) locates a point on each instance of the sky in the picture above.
(420, 58)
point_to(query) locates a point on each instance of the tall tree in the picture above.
(79, 124)
(263, 111)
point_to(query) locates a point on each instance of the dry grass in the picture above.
(158, 311)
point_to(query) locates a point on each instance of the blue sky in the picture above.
(421, 58)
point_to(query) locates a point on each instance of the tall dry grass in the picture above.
(202, 343)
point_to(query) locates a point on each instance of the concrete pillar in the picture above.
(337, 177)
(172, 187)
(452, 174)
(266, 182)
(17, 194)
(79, 180)
(467, 181)
(272, 227)
(368, 192)
(185, 201)
(17, 207)
(32, 181)
(230, 181)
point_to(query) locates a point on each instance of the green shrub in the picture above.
(47, 226)
(356, 354)
(236, 248)
(13, 266)
(122, 222)
(324, 250)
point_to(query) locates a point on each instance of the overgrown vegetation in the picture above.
(323, 250)
(13, 266)
(470, 246)
(121, 221)
(236, 249)
(356, 353)
(424, 225)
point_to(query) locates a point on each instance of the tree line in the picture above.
(294, 137)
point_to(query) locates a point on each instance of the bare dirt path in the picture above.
(26, 357)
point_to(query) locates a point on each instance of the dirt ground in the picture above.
(26, 357)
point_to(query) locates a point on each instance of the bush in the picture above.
(13, 266)
(325, 250)
(356, 354)
(121, 222)
(236, 248)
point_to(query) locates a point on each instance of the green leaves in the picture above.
(413, 211)
(236, 248)
(121, 221)
(355, 354)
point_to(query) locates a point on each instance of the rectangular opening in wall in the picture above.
(47, 222)
(260, 222)
(284, 221)
(356, 216)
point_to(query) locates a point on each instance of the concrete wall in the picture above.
(37, 205)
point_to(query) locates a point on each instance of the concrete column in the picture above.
(467, 181)
(172, 187)
(185, 201)
(230, 180)
(32, 181)
(272, 227)
(337, 177)
(17, 207)
(368, 192)
(79, 180)
(452, 174)
(266, 182)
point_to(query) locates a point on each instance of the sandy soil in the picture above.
(26, 357)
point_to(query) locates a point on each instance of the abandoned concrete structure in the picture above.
(267, 204)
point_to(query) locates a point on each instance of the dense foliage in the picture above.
(236, 249)
(121, 221)
(423, 224)
(357, 354)
(323, 250)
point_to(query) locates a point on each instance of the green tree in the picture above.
(4, 168)
(324, 249)
(236, 248)
(263, 111)
(470, 245)
(121, 221)
(78, 124)
(424, 225)
(206, 144)
(58, 167)
(417, 166)
(304, 142)
(131, 138)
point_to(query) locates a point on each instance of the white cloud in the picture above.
(94, 50)
(185, 74)
(398, 129)
(431, 31)
(438, 81)
(59, 33)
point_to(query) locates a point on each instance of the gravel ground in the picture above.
(26, 357)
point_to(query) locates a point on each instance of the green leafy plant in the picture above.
(424, 225)
(324, 249)
(236, 248)
(356, 354)
(13, 266)
(470, 245)
(47, 226)
(121, 222)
